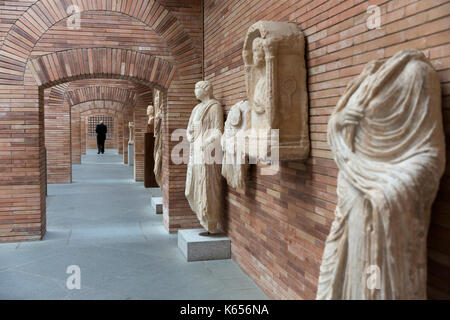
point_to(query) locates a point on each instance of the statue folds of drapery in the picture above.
(151, 118)
(388, 142)
(131, 135)
(157, 151)
(203, 179)
(234, 164)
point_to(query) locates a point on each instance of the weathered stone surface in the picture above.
(274, 57)
(203, 180)
(387, 137)
(151, 118)
(131, 127)
(235, 164)
(157, 204)
(197, 246)
(131, 155)
(157, 152)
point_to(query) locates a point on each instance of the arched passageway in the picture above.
(29, 66)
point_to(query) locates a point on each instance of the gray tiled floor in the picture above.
(104, 223)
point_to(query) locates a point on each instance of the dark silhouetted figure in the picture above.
(101, 131)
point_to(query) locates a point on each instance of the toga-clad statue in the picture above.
(131, 127)
(388, 142)
(204, 180)
(157, 151)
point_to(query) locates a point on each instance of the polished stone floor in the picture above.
(104, 223)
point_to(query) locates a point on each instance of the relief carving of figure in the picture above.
(275, 74)
(235, 164)
(387, 138)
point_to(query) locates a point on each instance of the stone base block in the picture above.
(131, 155)
(157, 204)
(198, 247)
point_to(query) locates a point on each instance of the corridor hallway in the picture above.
(104, 223)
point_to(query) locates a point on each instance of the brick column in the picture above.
(126, 135)
(58, 140)
(120, 134)
(116, 133)
(140, 126)
(76, 136)
(177, 213)
(83, 134)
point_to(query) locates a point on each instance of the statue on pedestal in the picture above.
(204, 181)
(387, 137)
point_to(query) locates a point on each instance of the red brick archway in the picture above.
(92, 93)
(62, 103)
(70, 65)
(123, 113)
(57, 69)
(87, 112)
(22, 183)
(139, 98)
(30, 27)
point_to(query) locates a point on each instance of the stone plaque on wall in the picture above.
(274, 57)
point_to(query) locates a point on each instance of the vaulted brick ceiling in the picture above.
(92, 93)
(33, 24)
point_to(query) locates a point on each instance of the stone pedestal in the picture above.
(157, 204)
(196, 247)
(149, 162)
(131, 154)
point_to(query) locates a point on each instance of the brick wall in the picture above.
(83, 136)
(127, 117)
(119, 135)
(75, 120)
(58, 136)
(140, 128)
(279, 224)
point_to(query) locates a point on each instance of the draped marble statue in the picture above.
(151, 118)
(275, 74)
(203, 181)
(131, 127)
(235, 164)
(388, 142)
(157, 152)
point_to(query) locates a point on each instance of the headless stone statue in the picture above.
(388, 142)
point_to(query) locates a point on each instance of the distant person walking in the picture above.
(101, 131)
